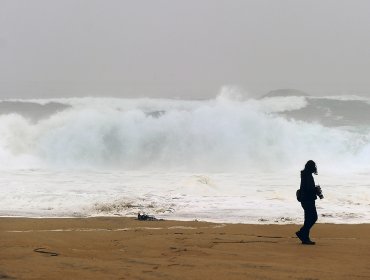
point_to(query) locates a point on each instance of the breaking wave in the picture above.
(225, 134)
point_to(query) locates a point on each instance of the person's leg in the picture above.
(310, 218)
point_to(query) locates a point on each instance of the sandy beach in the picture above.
(125, 248)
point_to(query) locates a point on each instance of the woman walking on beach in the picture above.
(308, 192)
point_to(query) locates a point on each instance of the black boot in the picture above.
(301, 236)
(308, 242)
(305, 240)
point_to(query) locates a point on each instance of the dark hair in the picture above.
(310, 167)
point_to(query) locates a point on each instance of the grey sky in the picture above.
(186, 48)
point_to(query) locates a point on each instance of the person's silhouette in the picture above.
(308, 197)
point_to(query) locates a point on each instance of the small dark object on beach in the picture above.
(145, 217)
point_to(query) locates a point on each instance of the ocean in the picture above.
(228, 159)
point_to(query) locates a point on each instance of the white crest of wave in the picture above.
(224, 134)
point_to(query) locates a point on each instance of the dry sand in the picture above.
(124, 248)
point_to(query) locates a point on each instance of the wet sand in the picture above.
(124, 248)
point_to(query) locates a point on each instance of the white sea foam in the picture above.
(230, 159)
(214, 135)
(220, 197)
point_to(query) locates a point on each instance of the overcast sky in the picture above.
(188, 48)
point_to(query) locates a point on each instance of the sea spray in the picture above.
(228, 133)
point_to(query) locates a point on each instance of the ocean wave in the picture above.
(230, 132)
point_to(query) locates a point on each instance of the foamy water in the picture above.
(221, 197)
(228, 160)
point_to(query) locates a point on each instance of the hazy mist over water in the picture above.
(182, 49)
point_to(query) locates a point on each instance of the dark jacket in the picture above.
(308, 189)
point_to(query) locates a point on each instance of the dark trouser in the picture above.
(310, 217)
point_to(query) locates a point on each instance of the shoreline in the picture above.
(176, 219)
(125, 248)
